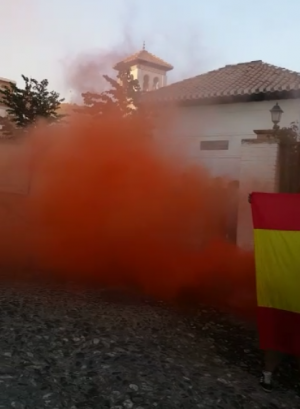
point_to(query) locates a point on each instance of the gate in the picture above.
(289, 166)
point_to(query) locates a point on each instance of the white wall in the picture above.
(259, 172)
(14, 167)
(3, 113)
(232, 122)
(138, 72)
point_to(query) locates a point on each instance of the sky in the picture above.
(77, 41)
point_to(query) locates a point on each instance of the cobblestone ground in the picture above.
(107, 350)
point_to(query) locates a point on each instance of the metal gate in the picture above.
(289, 166)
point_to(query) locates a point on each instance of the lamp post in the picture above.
(276, 113)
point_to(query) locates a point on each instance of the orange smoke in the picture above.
(109, 206)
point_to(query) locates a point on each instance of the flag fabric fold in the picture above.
(276, 222)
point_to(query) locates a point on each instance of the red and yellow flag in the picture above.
(276, 221)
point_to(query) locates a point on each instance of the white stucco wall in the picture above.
(14, 167)
(2, 111)
(138, 72)
(258, 172)
(232, 122)
(4, 82)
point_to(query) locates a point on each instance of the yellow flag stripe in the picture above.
(277, 259)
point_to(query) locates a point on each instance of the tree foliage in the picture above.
(289, 158)
(288, 135)
(25, 106)
(123, 99)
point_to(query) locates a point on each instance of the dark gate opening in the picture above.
(289, 166)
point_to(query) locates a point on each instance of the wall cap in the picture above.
(262, 136)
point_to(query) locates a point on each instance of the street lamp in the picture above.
(276, 113)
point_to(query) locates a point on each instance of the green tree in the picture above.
(25, 106)
(122, 98)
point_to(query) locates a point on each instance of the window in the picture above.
(155, 83)
(146, 83)
(214, 145)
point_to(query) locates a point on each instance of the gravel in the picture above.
(63, 348)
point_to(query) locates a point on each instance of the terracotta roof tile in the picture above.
(242, 79)
(145, 56)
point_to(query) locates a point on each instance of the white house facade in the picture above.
(215, 111)
(213, 134)
(222, 119)
(4, 82)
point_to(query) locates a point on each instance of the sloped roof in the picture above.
(6, 81)
(144, 56)
(244, 79)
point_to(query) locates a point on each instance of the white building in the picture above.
(215, 111)
(149, 70)
(225, 117)
(4, 82)
(217, 114)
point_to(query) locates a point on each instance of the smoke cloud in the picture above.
(103, 204)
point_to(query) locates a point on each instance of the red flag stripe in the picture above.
(275, 211)
(279, 330)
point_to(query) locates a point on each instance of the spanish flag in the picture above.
(276, 221)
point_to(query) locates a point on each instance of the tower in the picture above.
(149, 70)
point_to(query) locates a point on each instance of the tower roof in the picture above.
(144, 57)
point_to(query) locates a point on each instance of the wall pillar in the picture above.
(258, 172)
